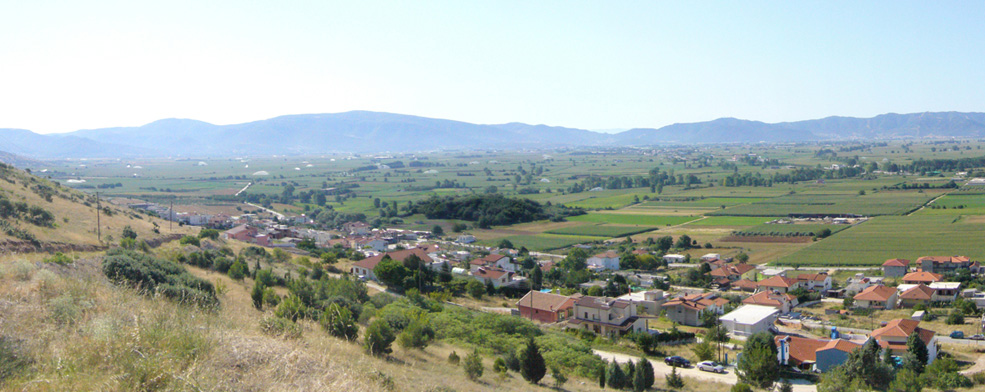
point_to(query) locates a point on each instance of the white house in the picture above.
(674, 258)
(608, 260)
(465, 239)
(750, 319)
(711, 256)
(497, 276)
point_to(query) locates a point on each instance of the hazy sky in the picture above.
(596, 65)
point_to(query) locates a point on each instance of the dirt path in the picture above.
(660, 369)
(977, 367)
(927, 203)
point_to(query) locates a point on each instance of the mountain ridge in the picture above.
(369, 132)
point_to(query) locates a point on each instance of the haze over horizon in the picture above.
(581, 65)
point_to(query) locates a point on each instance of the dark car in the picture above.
(677, 361)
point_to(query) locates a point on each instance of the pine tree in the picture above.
(473, 365)
(615, 376)
(646, 368)
(532, 366)
(916, 347)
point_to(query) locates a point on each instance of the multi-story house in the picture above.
(606, 316)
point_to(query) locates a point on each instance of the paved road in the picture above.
(660, 369)
(277, 214)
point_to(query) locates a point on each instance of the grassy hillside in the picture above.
(69, 328)
(53, 217)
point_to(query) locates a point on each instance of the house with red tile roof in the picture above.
(498, 277)
(494, 261)
(608, 260)
(876, 297)
(813, 354)
(942, 264)
(732, 272)
(365, 266)
(922, 277)
(819, 282)
(895, 268)
(546, 307)
(778, 283)
(688, 310)
(782, 301)
(744, 285)
(893, 337)
(915, 295)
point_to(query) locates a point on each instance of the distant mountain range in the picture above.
(365, 132)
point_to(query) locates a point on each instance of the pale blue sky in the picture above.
(595, 65)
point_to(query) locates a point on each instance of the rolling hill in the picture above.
(365, 132)
(37, 214)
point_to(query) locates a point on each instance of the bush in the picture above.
(189, 240)
(499, 365)
(212, 234)
(291, 308)
(704, 351)
(453, 358)
(473, 365)
(378, 338)
(13, 358)
(153, 275)
(237, 271)
(338, 321)
(59, 258)
(476, 289)
(674, 380)
(978, 378)
(417, 335)
(278, 326)
(954, 318)
(740, 387)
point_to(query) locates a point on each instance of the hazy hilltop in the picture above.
(365, 132)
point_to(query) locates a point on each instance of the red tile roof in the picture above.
(492, 273)
(488, 259)
(744, 284)
(918, 292)
(896, 263)
(767, 298)
(901, 328)
(820, 277)
(777, 281)
(546, 301)
(876, 293)
(944, 259)
(922, 277)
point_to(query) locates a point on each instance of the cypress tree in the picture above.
(532, 366)
(916, 347)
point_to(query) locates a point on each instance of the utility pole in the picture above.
(99, 235)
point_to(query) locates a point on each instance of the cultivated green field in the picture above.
(957, 204)
(607, 231)
(703, 202)
(871, 204)
(631, 219)
(886, 237)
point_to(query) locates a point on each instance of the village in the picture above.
(817, 320)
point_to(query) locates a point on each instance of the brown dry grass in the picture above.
(75, 222)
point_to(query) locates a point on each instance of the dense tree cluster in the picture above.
(490, 209)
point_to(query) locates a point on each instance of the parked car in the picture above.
(677, 361)
(710, 366)
(977, 337)
(957, 335)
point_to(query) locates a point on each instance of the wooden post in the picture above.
(99, 235)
